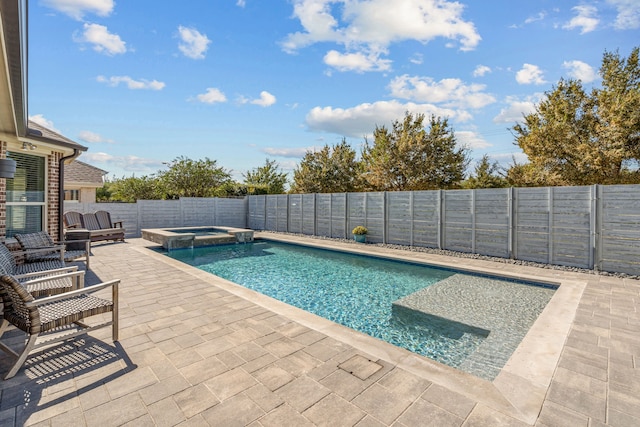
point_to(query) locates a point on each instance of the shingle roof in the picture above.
(78, 171)
(40, 132)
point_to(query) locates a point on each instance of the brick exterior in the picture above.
(53, 192)
(3, 194)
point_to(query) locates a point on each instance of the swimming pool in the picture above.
(411, 306)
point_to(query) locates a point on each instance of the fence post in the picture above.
(473, 221)
(441, 226)
(411, 215)
(511, 217)
(597, 257)
(550, 195)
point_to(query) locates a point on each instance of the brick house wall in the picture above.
(53, 193)
(3, 193)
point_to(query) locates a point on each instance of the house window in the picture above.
(26, 203)
(71, 195)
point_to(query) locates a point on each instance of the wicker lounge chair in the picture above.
(35, 247)
(51, 314)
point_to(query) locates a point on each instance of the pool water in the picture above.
(353, 290)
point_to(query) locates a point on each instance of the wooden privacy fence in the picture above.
(595, 227)
(185, 212)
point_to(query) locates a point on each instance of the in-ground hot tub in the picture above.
(189, 237)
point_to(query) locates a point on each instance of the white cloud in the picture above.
(516, 109)
(471, 139)
(448, 92)
(241, 3)
(585, 19)
(357, 61)
(361, 120)
(417, 59)
(530, 74)
(628, 14)
(481, 70)
(294, 152)
(42, 121)
(193, 44)
(266, 99)
(580, 70)
(77, 8)
(538, 17)
(93, 138)
(367, 28)
(101, 39)
(211, 96)
(132, 164)
(131, 83)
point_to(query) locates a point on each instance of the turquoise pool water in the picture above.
(353, 290)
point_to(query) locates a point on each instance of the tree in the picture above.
(193, 178)
(575, 138)
(266, 179)
(131, 189)
(487, 175)
(411, 158)
(330, 170)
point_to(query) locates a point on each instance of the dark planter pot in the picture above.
(360, 238)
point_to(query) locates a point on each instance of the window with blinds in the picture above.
(26, 201)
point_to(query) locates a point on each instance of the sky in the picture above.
(143, 82)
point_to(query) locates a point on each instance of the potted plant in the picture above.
(360, 234)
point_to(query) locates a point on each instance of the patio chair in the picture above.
(29, 273)
(72, 219)
(35, 246)
(97, 231)
(46, 317)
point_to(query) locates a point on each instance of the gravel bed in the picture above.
(468, 255)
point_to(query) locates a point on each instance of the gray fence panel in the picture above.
(309, 214)
(230, 212)
(159, 213)
(339, 215)
(295, 213)
(571, 226)
(375, 219)
(197, 211)
(532, 230)
(323, 215)
(399, 217)
(458, 220)
(492, 222)
(282, 222)
(619, 235)
(256, 214)
(357, 214)
(271, 216)
(426, 218)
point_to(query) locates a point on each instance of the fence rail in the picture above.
(596, 227)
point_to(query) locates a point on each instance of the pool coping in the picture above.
(518, 390)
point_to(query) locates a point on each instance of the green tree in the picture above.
(486, 175)
(266, 179)
(330, 170)
(193, 178)
(103, 194)
(409, 157)
(576, 138)
(132, 188)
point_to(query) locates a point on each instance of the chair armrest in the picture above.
(74, 225)
(47, 273)
(118, 224)
(77, 276)
(71, 294)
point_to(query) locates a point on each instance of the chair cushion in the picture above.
(38, 240)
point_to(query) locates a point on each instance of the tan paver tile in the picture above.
(143, 421)
(344, 384)
(556, 415)
(131, 382)
(273, 377)
(163, 389)
(116, 412)
(93, 397)
(382, 403)
(203, 370)
(72, 418)
(360, 366)
(284, 415)
(195, 400)
(165, 413)
(369, 421)
(621, 419)
(230, 383)
(283, 347)
(264, 397)
(451, 401)
(481, 416)
(401, 381)
(426, 414)
(236, 411)
(334, 411)
(302, 393)
(298, 363)
(577, 400)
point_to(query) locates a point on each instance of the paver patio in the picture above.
(197, 350)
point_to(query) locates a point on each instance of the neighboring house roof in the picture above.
(79, 172)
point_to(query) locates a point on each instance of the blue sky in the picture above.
(142, 82)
